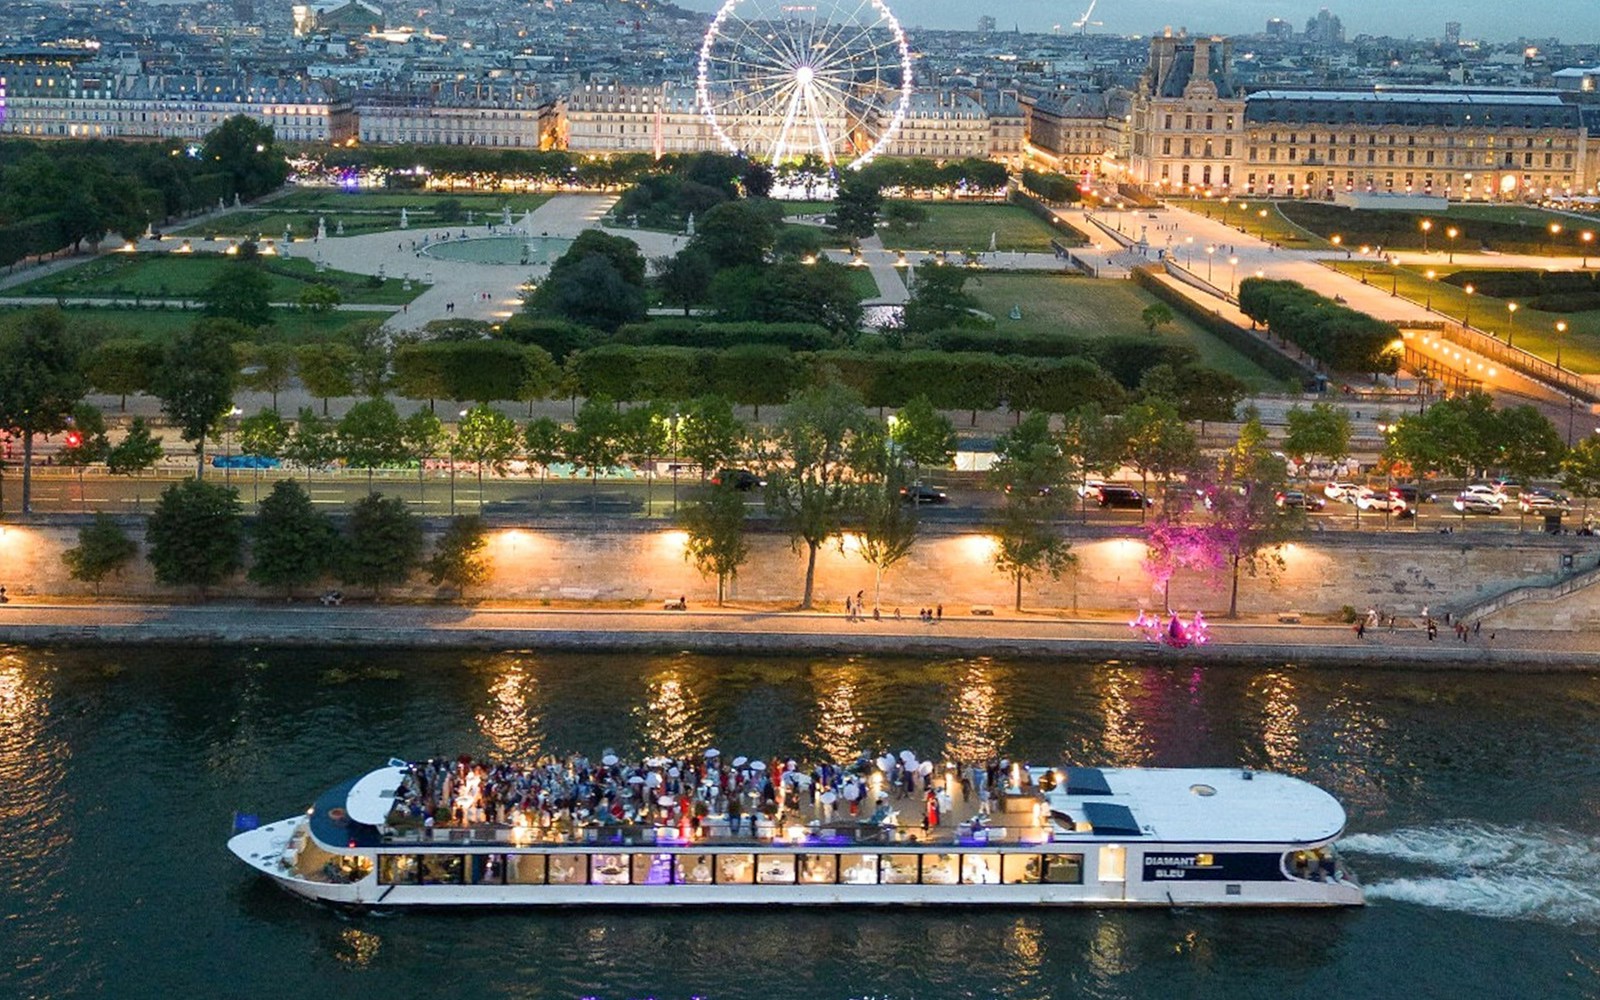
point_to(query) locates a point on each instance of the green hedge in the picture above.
(1276, 363)
(1339, 337)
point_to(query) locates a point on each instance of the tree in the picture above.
(136, 452)
(423, 437)
(85, 443)
(103, 548)
(709, 435)
(262, 436)
(1156, 315)
(370, 434)
(244, 151)
(544, 443)
(887, 526)
(798, 243)
(644, 435)
(195, 536)
(733, 234)
(458, 558)
(320, 297)
(1245, 531)
(1580, 471)
(382, 544)
(269, 368)
(195, 383)
(714, 521)
(684, 278)
(327, 370)
(922, 435)
(1155, 441)
(369, 375)
(592, 292)
(486, 437)
(41, 380)
(1029, 542)
(294, 542)
(808, 488)
(856, 205)
(1321, 431)
(122, 367)
(1029, 460)
(242, 292)
(541, 376)
(938, 301)
(594, 443)
(1530, 447)
(313, 443)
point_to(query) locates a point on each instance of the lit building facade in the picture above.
(1186, 128)
(512, 118)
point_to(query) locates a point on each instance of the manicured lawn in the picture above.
(1056, 305)
(360, 213)
(308, 199)
(1533, 330)
(289, 326)
(166, 275)
(1504, 228)
(957, 227)
(862, 282)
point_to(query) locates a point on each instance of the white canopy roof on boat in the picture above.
(371, 798)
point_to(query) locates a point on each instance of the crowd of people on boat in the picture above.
(701, 794)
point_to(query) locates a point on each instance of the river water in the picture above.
(1474, 803)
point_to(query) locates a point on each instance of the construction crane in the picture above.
(1083, 23)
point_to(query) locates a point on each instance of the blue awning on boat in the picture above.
(1111, 820)
(1086, 781)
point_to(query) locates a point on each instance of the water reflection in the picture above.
(356, 948)
(672, 719)
(1280, 721)
(512, 723)
(839, 727)
(978, 725)
(1125, 739)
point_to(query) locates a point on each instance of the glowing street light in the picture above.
(1452, 232)
(1429, 304)
(1555, 230)
(1587, 237)
(1263, 214)
(1427, 227)
(1233, 277)
(1561, 334)
(1211, 249)
(1511, 309)
(1466, 319)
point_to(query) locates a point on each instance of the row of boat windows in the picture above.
(679, 868)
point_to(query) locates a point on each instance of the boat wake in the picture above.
(1509, 872)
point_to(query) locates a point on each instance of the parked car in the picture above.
(1488, 492)
(1544, 501)
(1477, 503)
(1342, 492)
(742, 480)
(1123, 496)
(1299, 500)
(1413, 494)
(1380, 500)
(920, 494)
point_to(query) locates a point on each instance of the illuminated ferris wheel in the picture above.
(780, 81)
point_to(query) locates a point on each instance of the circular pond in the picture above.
(501, 249)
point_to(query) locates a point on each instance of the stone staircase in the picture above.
(1537, 593)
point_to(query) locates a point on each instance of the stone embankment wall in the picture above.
(1401, 571)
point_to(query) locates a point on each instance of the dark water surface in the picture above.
(1474, 802)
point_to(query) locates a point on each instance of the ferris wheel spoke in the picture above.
(837, 26)
(788, 124)
(852, 22)
(847, 52)
(750, 31)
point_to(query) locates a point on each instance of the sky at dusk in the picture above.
(1495, 20)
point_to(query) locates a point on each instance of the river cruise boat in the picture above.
(676, 835)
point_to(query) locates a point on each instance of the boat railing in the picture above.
(713, 833)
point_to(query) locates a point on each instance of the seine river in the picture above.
(1474, 804)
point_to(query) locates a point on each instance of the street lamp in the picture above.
(1511, 308)
(1188, 241)
(1466, 318)
(1561, 334)
(1452, 232)
(1587, 237)
(227, 444)
(675, 420)
(1427, 227)
(1429, 304)
(1209, 251)
(1555, 230)
(1263, 214)
(1233, 277)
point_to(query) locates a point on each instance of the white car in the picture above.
(1379, 500)
(1342, 492)
(1487, 492)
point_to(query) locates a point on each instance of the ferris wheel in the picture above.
(828, 78)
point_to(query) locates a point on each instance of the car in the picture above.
(1090, 490)
(1413, 494)
(1299, 500)
(1477, 503)
(1123, 496)
(1342, 492)
(1544, 501)
(920, 494)
(1380, 500)
(1488, 492)
(742, 480)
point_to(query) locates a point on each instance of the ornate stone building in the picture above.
(1187, 127)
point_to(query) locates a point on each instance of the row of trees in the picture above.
(197, 537)
(1338, 336)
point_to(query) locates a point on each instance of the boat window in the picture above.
(569, 869)
(898, 869)
(775, 869)
(693, 869)
(441, 869)
(652, 869)
(819, 869)
(736, 869)
(858, 869)
(1113, 863)
(397, 869)
(487, 869)
(980, 869)
(1063, 869)
(1020, 869)
(941, 869)
(608, 869)
(525, 869)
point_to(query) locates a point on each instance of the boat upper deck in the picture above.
(885, 802)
